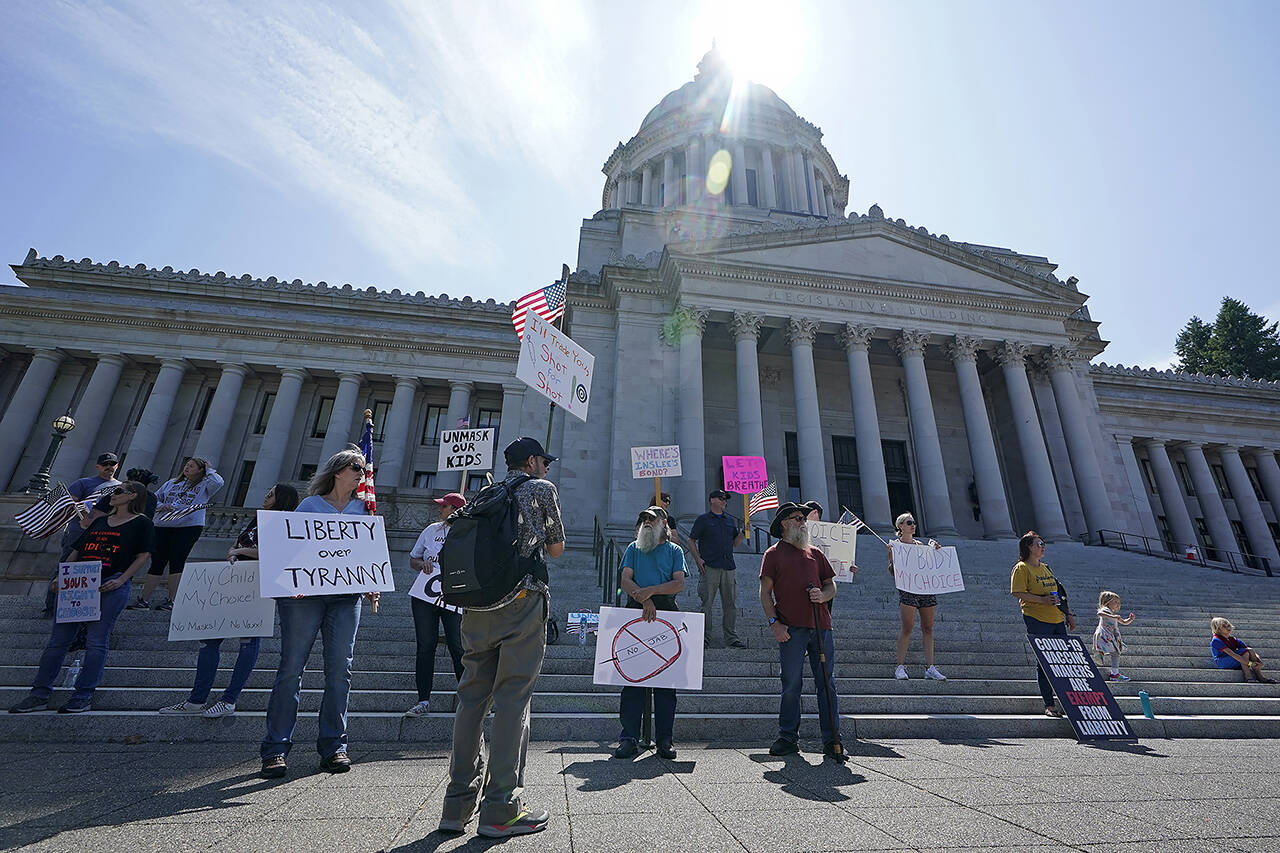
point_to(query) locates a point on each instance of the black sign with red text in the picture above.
(1082, 689)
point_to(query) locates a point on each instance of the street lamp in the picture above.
(62, 425)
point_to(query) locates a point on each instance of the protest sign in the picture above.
(655, 461)
(219, 600)
(316, 553)
(466, 449)
(427, 585)
(1083, 692)
(554, 366)
(583, 623)
(926, 570)
(744, 474)
(79, 599)
(839, 542)
(667, 652)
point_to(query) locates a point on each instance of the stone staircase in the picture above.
(991, 691)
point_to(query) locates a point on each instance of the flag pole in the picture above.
(657, 491)
(368, 422)
(551, 410)
(746, 513)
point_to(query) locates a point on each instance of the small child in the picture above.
(1106, 637)
(1231, 653)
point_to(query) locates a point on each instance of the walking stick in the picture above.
(837, 748)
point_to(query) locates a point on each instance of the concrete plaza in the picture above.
(1042, 795)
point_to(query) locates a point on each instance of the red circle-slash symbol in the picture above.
(643, 649)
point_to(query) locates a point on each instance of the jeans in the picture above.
(97, 640)
(427, 619)
(207, 669)
(504, 650)
(335, 618)
(1036, 628)
(631, 709)
(724, 581)
(792, 653)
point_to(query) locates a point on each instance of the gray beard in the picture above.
(648, 538)
(798, 536)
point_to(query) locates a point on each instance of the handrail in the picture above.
(1235, 560)
(608, 557)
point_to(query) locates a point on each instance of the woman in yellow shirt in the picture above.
(1036, 589)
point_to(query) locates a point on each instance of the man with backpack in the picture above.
(494, 567)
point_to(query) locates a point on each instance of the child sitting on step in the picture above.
(1106, 637)
(1231, 653)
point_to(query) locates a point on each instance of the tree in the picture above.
(1238, 343)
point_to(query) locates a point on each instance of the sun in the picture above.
(755, 38)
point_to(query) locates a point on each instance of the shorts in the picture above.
(1226, 662)
(912, 599)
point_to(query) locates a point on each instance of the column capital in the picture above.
(745, 325)
(1227, 449)
(1152, 442)
(801, 330)
(350, 376)
(112, 358)
(236, 367)
(175, 363)
(963, 348)
(299, 373)
(689, 320)
(461, 385)
(1012, 353)
(911, 342)
(516, 389)
(48, 353)
(855, 336)
(1060, 358)
(410, 381)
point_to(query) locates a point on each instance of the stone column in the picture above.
(266, 469)
(670, 195)
(695, 172)
(154, 422)
(811, 183)
(938, 519)
(24, 407)
(746, 329)
(813, 465)
(1269, 476)
(1035, 458)
(1210, 500)
(1137, 487)
(866, 427)
(217, 422)
(509, 429)
(1255, 526)
(1172, 501)
(830, 202)
(1078, 431)
(800, 192)
(690, 422)
(78, 448)
(646, 184)
(738, 174)
(459, 407)
(982, 447)
(389, 465)
(819, 197)
(768, 195)
(342, 415)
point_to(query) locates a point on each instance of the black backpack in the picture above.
(480, 560)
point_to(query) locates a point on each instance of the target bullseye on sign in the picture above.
(666, 652)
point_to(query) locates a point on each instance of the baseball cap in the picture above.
(522, 448)
(108, 457)
(719, 493)
(452, 499)
(647, 512)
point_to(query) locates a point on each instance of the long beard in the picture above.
(798, 536)
(648, 538)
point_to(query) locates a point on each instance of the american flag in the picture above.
(464, 422)
(766, 498)
(546, 302)
(47, 516)
(182, 512)
(858, 524)
(364, 491)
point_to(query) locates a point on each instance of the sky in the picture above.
(455, 147)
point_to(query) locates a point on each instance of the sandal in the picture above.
(1053, 711)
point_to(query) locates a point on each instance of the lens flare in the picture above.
(718, 172)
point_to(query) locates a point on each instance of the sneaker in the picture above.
(75, 706)
(168, 605)
(901, 673)
(220, 708)
(737, 644)
(626, 749)
(183, 707)
(273, 767)
(1117, 676)
(782, 746)
(336, 763)
(454, 827)
(140, 604)
(666, 750)
(419, 710)
(525, 823)
(30, 704)
(932, 672)
(838, 755)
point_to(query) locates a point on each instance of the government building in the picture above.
(734, 304)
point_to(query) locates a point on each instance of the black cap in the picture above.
(814, 505)
(108, 457)
(142, 475)
(522, 448)
(775, 528)
(719, 493)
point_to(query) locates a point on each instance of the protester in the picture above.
(673, 534)
(335, 618)
(1039, 596)
(795, 578)
(714, 536)
(503, 648)
(1107, 641)
(1232, 653)
(182, 499)
(122, 541)
(652, 577)
(909, 603)
(430, 616)
(81, 490)
(281, 497)
(136, 475)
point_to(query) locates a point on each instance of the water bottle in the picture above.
(1146, 705)
(73, 672)
(582, 637)
(1057, 599)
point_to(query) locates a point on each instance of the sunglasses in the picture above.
(794, 518)
(665, 500)
(121, 490)
(355, 466)
(1039, 543)
(910, 521)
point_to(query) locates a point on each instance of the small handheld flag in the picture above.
(766, 498)
(365, 490)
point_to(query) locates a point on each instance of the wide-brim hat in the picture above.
(775, 527)
(648, 512)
